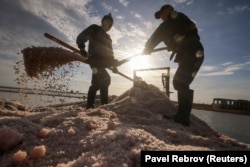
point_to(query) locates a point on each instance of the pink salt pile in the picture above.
(110, 135)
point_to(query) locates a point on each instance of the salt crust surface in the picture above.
(109, 135)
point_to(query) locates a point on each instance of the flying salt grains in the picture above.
(38, 152)
(39, 60)
(46, 68)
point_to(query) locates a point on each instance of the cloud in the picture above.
(20, 28)
(120, 17)
(247, 57)
(116, 34)
(233, 68)
(23, 23)
(180, 1)
(148, 24)
(124, 2)
(227, 63)
(208, 68)
(219, 73)
(133, 30)
(236, 9)
(136, 15)
(107, 7)
(188, 2)
(63, 15)
(229, 69)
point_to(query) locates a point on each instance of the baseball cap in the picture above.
(158, 13)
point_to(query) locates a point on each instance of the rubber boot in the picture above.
(185, 100)
(104, 95)
(91, 97)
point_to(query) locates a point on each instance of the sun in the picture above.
(139, 62)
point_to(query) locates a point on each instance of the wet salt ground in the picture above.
(110, 135)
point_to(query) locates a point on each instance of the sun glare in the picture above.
(140, 62)
(137, 60)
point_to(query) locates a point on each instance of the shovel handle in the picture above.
(61, 42)
(77, 51)
(123, 61)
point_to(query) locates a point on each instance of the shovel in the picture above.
(78, 51)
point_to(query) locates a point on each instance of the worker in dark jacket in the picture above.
(181, 37)
(100, 55)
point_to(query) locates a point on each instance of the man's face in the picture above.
(107, 24)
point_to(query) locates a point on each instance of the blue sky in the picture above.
(223, 26)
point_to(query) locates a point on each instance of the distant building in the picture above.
(231, 104)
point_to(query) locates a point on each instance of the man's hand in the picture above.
(84, 53)
(146, 51)
(115, 70)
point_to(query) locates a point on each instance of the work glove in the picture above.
(121, 62)
(114, 63)
(146, 51)
(115, 70)
(83, 52)
(117, 63)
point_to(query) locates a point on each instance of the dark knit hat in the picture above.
(108, 17)
(158, 13)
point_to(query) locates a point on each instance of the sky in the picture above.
(223, 26)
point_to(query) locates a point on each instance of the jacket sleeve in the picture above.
(84, 36)
(158, 36)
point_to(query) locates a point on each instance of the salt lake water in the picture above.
(33, 100)
(233, 125)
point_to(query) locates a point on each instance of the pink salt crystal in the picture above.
(91, 125)
(71, 131)
(38, 152)
(43, 133)
(113, 115)
(19, 156)
(111, 125)
(60, 165)
(159, 116)
(9, 138)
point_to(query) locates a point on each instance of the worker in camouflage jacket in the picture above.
(100, 55)
(181, 37)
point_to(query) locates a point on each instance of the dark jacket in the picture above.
(100, 46)
(175, 32)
